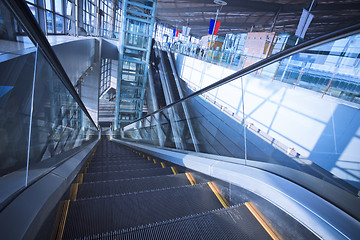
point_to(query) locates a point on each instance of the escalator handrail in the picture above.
(266, 62)
(34, 32)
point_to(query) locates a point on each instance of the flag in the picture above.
(211, 26)
(177, 33)
(217, 26)
(174, 32)
(305, 20)
(186, 31)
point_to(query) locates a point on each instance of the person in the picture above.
(197, 51)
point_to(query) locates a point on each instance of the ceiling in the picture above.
(239, 16)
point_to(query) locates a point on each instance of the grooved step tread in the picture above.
(117, 156)
(95, 163)
(122, 167)
(235, 222)
(95, 177)
(95, 216)
(92, 190)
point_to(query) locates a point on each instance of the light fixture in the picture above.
(220, 2)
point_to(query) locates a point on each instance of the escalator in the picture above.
(123, 194)
(167, 70)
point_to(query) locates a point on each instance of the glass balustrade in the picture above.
(41, 122)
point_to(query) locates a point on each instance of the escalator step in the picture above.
(95, 216)
(116, 157)
(121, 167)
(95, 177)
(235, 222)
(118, 162)
(92, 190)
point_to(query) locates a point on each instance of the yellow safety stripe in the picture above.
(148, 158)
(63, 220)
(174, 170)
(262, 220)
(218, 194)
(163, 165)
(190, 178)
(154, 160)
(73, 191)
(80, 178)
(57, 220)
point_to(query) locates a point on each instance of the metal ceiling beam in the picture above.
(327, 12)
(252, 6)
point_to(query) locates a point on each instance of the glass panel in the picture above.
(33, 10)
(49, 22)
(59, 124)
(93, 9)
(12, 37)
(15, 100)
(17, 61)
(69, 25)
(69, 8)
(59, 7)
(59, 20)
(48, 4)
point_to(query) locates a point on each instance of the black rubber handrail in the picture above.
(266, 62)
(25, 17)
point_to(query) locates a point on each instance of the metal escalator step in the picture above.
(118, 162)
(121, 167)
(95, 177)
(235, 222)
(116, 155)
(113, 153)
(101, 215)
(106, 188)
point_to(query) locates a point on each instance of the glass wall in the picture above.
(89, 16)
(59, 15)
(261, 117)
(105, 77)
(331, 69)
(94, 18)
